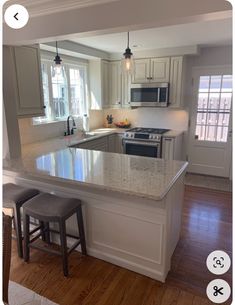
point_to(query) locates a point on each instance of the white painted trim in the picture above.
(154, 274)
(165, 52)
(46, 7)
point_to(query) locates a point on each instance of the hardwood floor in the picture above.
(206, 226)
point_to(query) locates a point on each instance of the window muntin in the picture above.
(63, 95)
(213, 108)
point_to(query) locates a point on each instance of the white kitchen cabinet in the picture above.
(172, 147)
(119, 143)
(112, 143)
(160, 69)
(151, 70)
(27, 80)
(142, 71)
(105, 83)
(100, 144)
(115, 84)
(176, 71)
(126, 91)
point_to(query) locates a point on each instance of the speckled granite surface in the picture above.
(133, 175)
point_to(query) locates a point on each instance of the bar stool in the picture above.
(14, 196)
(50, 208)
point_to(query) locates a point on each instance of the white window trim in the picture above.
(68, 62)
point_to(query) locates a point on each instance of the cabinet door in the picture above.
(119, 145)
(142, 71)
(105, 83)
(126, 91)
(115, 84)
(29, 81)
(112, 143)
(97, 144)
(176, 82)
(168, 149)
(160, 69)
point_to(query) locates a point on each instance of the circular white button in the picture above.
(218, 291)
(218, 262)
(16, 16)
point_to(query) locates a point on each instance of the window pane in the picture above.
(215, 83)
(60, 95)
(77, 90)
(202, 100)
(227, 85)
(204, 84)
(213, 112)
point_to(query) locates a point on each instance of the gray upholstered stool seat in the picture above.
(14, 196)
(51, 208)
(47, 207)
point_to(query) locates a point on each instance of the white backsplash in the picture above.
(152, 117)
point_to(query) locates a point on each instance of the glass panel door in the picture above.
(213, 108)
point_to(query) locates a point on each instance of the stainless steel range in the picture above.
(144, 142)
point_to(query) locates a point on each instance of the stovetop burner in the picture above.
(148, 130)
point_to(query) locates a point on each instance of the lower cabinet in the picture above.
(119, 144)
(100, 144)
(172, 148)
(110, 143)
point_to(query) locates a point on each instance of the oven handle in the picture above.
(141, 143)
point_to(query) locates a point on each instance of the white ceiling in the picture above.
(205, 33)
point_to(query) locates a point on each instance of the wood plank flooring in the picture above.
(206, 226)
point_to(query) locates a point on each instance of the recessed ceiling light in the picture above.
(136, 46)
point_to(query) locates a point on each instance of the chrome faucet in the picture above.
(70, 131)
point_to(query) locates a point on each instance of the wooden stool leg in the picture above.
(17, 223)
(26, 237)
(42, 230)
(63, 243)
(81, 230)
(47, 232)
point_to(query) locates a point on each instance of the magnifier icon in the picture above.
(218, 262)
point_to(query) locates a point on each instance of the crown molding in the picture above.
(46, 7)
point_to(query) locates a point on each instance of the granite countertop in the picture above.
(133, 175)
(53, 144)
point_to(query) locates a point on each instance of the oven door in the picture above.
(142, 148)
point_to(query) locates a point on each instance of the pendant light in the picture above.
(128, 61)
(58, 68)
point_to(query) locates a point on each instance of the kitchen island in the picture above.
(132, 205)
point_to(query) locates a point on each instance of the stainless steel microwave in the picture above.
(150, 95)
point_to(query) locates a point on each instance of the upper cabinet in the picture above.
(142, 71)
(126, 92)
(112, 88)
(115, 84)
(27, 80)
(151, 70)
(176, 75)
(105, 83)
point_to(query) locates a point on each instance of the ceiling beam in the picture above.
(113, 17)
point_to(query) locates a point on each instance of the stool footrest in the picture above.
(35, 238)
(35, 230)
(51, 251)
(77, 243)
(67, 234)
